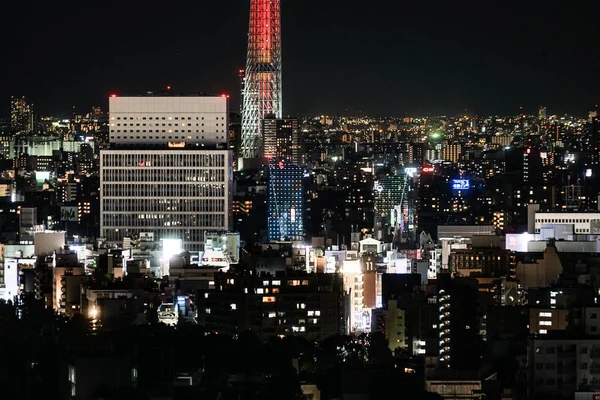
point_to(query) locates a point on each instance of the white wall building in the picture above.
(165, 176)
(354, 287)
(582, 223)
(179, 120)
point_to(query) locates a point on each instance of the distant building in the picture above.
(21, 115)
(168, 173)
(458, 325)
(195, 121)
(451, 152)
(391, 207)
(558, 366)
(285, 201)
(281, 140)
(309, 305)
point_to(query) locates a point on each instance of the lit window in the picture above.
(260, 291)
(233, 306)
(276, 283)
(545, 314)
(268, 299)
(545, 323)
(310, 313)
(543, 331)
(272, 314)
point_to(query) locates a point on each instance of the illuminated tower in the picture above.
(262, 85)
(21, 115)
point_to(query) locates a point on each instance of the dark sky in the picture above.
(377, 57)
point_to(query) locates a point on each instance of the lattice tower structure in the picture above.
(262, 82)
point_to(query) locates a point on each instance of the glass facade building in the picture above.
(285, 202)
(391, 207)
(158, 194)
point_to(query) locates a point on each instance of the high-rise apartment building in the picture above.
(285, 201)
(21, 115)
(168, 173)
(451, 152)
(281, 139)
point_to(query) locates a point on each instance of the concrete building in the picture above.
(558, 366)
(308, 305)
(579, 222)
(181, 121)
(168, 173)
(174, 194)
(281, 140)
(543, 320)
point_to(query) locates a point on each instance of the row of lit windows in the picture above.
(183, 175)
(173, 159)
(187, 234)
(182, 124)
(164, 190)
(159, 220)
(160, 118)
(563, 221)
(162, 205)
(161, 137)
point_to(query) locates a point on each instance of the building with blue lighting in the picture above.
(285, 202)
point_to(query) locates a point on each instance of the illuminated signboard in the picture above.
(177, 145)
(460, 184)
(427, 169)
(410, 171)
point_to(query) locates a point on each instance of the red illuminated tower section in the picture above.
(262, 81)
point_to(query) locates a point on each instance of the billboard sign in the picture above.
(68, 213)
(460, 184)
(518, 241)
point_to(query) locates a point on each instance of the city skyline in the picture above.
(338, 57)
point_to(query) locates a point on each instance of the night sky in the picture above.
(339, 56)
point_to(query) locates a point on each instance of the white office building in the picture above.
(165, 176)
(578, 223)
(179, 121)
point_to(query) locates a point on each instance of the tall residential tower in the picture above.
(262, 81)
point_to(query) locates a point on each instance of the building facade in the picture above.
(309, 305)
(391, 207)
(21, 115)
(165, 194)
(285, 202)
(281, 140)
(179, 121)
